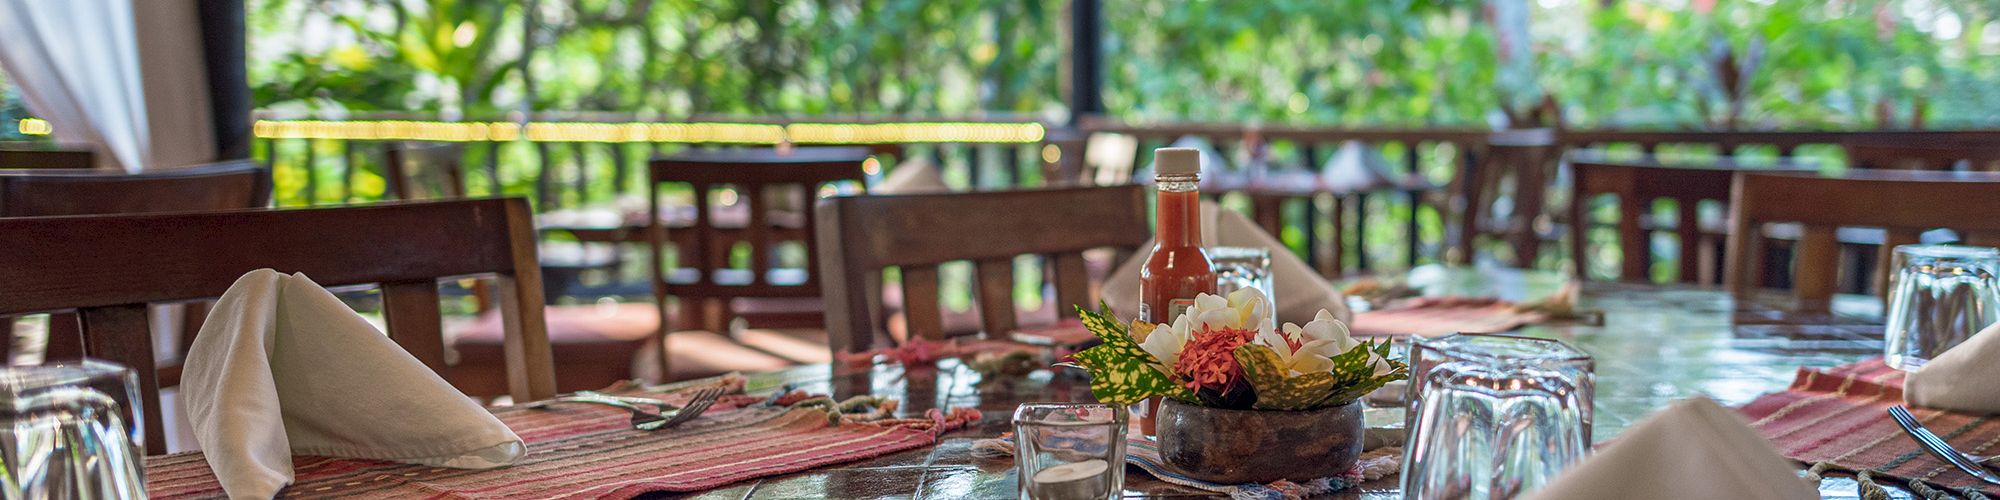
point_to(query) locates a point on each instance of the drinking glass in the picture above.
(1939, 296)
(71, 430)
(1238, 268)
(1494, 416)
(1070, 451)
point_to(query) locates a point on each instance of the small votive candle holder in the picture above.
(1070, 451)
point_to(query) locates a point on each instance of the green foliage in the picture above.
(1120, 372)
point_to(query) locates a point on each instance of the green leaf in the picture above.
(1120, 372)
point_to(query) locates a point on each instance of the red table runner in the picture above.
(1838, 418)
(1430, 321)
(589, 451)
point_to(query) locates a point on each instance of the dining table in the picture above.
(1655, 344)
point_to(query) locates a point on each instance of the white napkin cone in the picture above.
(1300, 290)
(1693, 449)
(282, 367)
(1960, 378)
(916, 176)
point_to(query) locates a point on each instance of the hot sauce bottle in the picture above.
(1178, 269)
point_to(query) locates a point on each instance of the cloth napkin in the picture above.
(916, 176)
(283, 368)
(1943, 384)
(1693, 449)
(1300, 291)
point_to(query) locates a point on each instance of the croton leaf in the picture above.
(1275, 389)
(1120, 372)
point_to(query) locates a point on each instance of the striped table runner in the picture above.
(588, 451)
(1837, 418)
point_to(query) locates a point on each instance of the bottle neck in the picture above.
(1179, 211)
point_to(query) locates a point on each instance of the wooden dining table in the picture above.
(1657, 344)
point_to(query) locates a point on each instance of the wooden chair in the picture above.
(36, 156)
(217, 186)
(1527, 155)
(592, 347)
(709, 290)
(1636, 188)
(1895, 201)
(1637, 183)
(1928, 154)
(108, 268)
(859, 236)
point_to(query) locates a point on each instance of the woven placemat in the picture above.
(1837, 419)
(590, 451)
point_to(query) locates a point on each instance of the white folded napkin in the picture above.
(282, 367)
(1693, 449)
(916, 176)
(1355, 165)
(1300, 290)
(1960, 378)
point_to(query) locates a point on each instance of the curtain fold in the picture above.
(123, 75)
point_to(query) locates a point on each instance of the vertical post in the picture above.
(1086, 59)
(222, 47)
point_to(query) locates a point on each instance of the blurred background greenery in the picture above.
(1628, 63)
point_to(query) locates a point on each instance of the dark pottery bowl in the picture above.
(1259, 446)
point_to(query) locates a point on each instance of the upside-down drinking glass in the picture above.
(1237, 268)
(1939, 296)
(1494, 416)
(1070, 451)
(71, 430)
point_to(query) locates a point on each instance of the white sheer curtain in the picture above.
(123, 75)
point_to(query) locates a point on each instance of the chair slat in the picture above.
(1816, 268)
(921, 310)
(1633, 241)
(108, 334)
(996, 296)
(1687, 228)
(411, 310)
(1072, 280)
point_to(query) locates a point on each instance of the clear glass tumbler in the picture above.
(1238, 268)
(1939, 295)
(1070, 451)
(71, 430)
(1494, 416)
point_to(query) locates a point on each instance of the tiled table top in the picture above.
(1657, 344)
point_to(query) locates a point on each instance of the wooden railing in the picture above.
(583, 158)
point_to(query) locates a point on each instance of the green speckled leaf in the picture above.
(1120, 372)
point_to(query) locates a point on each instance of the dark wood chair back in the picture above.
(28, 156)
(108, 268)
(425, 171)
(1924, 155)
(1637, 187)
(215, 186)
(859, 236)
(1903, 203)
(703, 244)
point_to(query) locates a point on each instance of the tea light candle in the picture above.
(1078, 481)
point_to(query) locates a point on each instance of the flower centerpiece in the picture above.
(1244, 401)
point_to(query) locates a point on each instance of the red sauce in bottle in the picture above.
(1178, 269)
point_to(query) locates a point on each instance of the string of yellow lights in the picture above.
(703, 133)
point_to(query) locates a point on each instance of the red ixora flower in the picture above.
(1209, 360)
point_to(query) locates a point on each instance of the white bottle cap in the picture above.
(1176, 161)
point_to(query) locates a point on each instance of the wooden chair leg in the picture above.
(65, 339)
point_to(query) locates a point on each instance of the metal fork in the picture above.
(702, 399)
(1971, 464)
